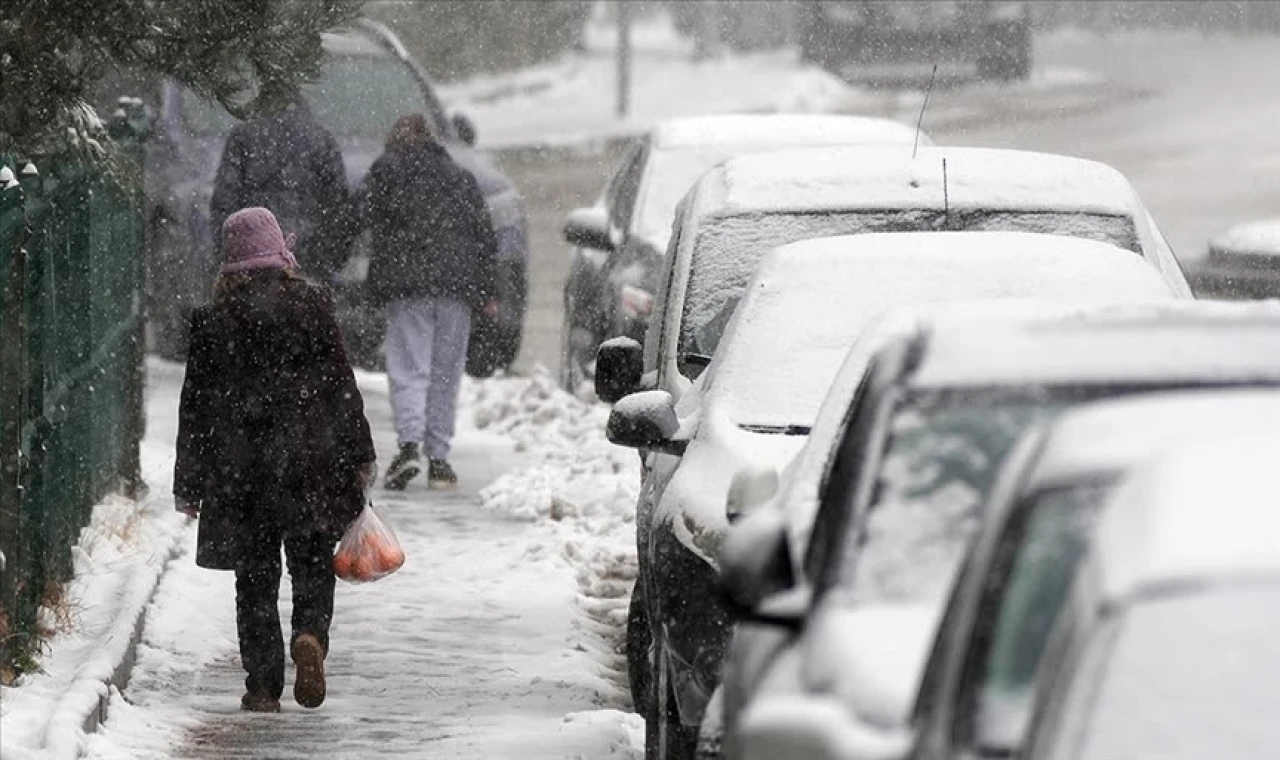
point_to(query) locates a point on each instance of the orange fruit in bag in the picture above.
(342, 565)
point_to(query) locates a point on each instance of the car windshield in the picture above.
(728, 249)
(1036, 563)
(1189, 676)
(943, 450)
(357, 97)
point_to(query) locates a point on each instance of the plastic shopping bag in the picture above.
(368, 550)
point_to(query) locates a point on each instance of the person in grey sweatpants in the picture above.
(433, 264)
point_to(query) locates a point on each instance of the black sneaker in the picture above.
(441, 475)
(405, 467)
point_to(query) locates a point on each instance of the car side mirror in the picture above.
(750, 487)
(755, 566)
(465, 128)
(645, 420)
(589, 228)
(619, 368)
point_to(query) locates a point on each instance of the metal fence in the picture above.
(72, 248)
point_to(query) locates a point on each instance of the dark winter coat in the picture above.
(269, 403)
(289, 164)
(432, 233)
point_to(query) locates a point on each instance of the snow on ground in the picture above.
(580, 492)
(494, 640)
(118, 560)
(573, 100)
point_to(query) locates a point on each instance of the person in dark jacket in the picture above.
(433, 264)
(291, 165)
(273, 447)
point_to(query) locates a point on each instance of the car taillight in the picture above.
(635, 303)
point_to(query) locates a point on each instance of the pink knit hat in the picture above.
(251, 239)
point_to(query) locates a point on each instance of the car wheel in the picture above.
(639, 654)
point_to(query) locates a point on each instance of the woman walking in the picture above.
(273, 448)
(433, 264)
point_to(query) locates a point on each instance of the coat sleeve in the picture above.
(486, 251)
(351, 429)
(228, 185)
(196, 415)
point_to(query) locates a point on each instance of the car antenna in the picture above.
(916, 145)
(946, 196)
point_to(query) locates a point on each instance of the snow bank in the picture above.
(118, 560)
(580, 490)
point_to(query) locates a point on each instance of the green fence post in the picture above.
(13, 232)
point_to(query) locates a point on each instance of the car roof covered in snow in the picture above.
(993, 344)
(808, 302)
(732, 132)
(1203, 511)
(879, 178)
(1105, 438)
(1259, 238)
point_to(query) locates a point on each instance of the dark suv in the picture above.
(994, 35)
(368, 81)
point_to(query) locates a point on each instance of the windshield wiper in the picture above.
(777, 429)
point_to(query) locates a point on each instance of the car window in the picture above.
(943, 450)
(727, 250)
(1030, 577)
(842, 480)
(620, 197)
(356, 97)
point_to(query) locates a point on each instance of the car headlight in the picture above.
(635, 303)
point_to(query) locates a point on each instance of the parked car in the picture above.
(368, 80)
(749, 204)
(974, 694)
(938, 409)
(618, 244)
(1242, 262)
(783, 342)
(1167, 647)
(995, 36)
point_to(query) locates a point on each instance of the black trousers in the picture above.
(309, 554)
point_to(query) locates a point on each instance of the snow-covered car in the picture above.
(368, 80)
(750, 204)
(804, 308)
(619, 242)
(974, 694)
(1167, 645)
(1242, 262)
(939, 407)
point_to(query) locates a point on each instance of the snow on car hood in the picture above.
(694, 502)
(872, 657)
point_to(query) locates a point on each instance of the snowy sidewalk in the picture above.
(474, 649)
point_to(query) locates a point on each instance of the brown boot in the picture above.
(251, 702)
(308, 684)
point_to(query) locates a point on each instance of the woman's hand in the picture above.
(367, 475)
